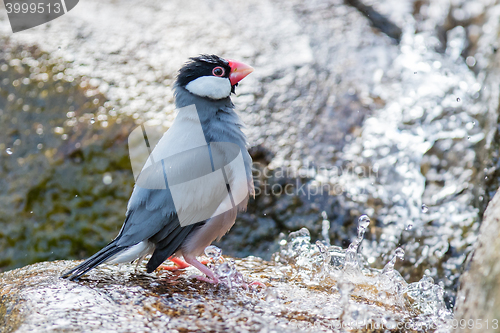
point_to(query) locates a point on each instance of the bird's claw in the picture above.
(257, 284)
(213, 281)
(178, 264)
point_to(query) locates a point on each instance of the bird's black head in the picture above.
(211, 76)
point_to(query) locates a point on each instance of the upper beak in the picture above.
(239, 71)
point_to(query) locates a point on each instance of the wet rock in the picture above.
(393, 126)
(478, 298)
(294, 106)
(298, 297)
(64, 168)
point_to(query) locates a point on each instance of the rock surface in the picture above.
(328, 90)
(117, 299)
(478, 297)
(297, 104)
(58, 142)
(303, 293)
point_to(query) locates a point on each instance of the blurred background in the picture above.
(386, 108)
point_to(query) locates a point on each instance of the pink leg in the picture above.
(204, 269)
(258, 283)
(179, 264)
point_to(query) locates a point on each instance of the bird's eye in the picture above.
(218, 71)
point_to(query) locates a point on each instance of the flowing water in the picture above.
(394, 131)
(307, 287)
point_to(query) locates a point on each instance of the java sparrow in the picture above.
(161, 221)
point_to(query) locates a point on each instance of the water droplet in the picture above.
(325, 229)
(409, 226)
(485, 177)
(107, 178)
(8, 151)
(470, 61)
(300, 241)
(426, 283)
(468, 138)
(323, 249)
(400, 253)
(270, 295)
(213, 252)
(224, 269)
(76, 195)
(363, 221)
(59, 48)
(92, 120)
(300, 234)
(458, 99)
(425, 209)
(345, 289)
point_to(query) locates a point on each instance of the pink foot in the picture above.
(178, 264)
(206, 279)
(204, 269)
(257, 284)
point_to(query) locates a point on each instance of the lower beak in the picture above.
(239, 71)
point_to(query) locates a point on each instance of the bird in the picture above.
(154, 223)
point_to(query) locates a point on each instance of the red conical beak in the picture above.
(239, 71)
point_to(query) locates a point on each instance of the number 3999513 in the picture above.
(33, 7)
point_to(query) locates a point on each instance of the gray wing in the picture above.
(149, 211)
(151, 216)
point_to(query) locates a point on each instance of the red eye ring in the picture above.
(218, 71)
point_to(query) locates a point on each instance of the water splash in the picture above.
(225, 269)
(422, 144)
(325, 254)
(348, 274)
(325, 228)
(425, 209)
(213, 252)
(351, 264)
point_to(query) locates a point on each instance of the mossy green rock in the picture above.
(66, 177)
(57, 142)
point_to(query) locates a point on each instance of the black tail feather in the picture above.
(169, 245)
(107, 252)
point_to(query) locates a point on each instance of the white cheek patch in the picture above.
(210, 86)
